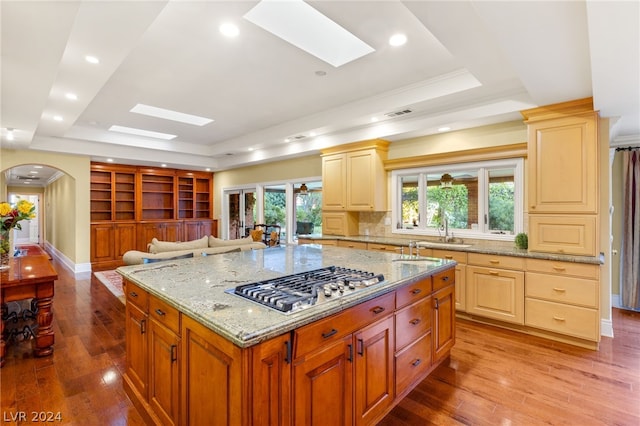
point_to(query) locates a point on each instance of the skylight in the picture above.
(141, 132)
(168, 114)
(303, 26)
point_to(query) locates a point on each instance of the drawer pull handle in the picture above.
(494, 273)
(133, 294)
(174, 353)
(377, 310)
(415, 321)
(143, 326)
(416, 291)
(159, 312)
(558, 318)
(437, 304)
(287, 357)
(329, 334)
(350, 356)
(559, 268)
(445, 278)
(416, 362)
(494, 262)
(448, 257)
(559, 290)
(361, 347)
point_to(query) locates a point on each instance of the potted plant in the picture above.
(522, 241)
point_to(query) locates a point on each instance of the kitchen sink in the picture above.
(435, 244)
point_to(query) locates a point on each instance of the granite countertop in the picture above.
(197, 286)
(502, 248)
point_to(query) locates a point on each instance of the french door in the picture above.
(241, 213)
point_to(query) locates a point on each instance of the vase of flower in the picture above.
(10, 217)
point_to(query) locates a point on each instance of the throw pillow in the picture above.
(256, 234)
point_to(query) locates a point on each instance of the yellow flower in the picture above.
(24, 206)
(5, 208)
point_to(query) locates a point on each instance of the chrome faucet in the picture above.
(445, 227)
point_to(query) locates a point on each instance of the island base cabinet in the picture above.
(163, 375)
(137, 348)
(444, 320)
(271, 382)
(211, 375)
(323, 386)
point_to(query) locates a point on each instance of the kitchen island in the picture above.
(199, 355)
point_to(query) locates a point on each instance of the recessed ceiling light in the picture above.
(229, 30)
(249, 149)
(312, 134)
(141, 132)
(57, 118)
(10, 135)
(287, 140)
(397, 40)
(313, 32)
(207, 169)
(92, 59)
(374, 119)
(168, 114)
(33, 172)
(109, 160)
(444, 129)
(71, 96)
(37, 167)
(163, 165)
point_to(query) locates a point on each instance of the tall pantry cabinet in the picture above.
(563, 178)
(132, 205)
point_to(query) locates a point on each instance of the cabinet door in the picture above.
(564, 234)
(444, 321)
(164, 349)
(173, 231)
(102, 242)
(211, 373)
(496, 293)
(125, 238)
(271, 382)
(563, 165)
(334, 170)
(360, 180)
(147, 232)
(339, 223)
(323, 386)
(374, 370)
(136, 348)
(191, 230)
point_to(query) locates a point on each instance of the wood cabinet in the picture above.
(322, 242)
(383, 247)
(352, 244)
(344, 369)
(461, 273)
(564, 298)
(354, 178)
(132, 205)
(563, 186)
(339, 223)
(495, 287)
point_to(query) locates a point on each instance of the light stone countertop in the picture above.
(502, 248)
(196, 287)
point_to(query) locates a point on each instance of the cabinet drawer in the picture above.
(565, 319)
(412, 322)
(458, 256)
(321, 332)
(136, 295)
(352, 244)
(383, 247)
(583, 270)
(444, 279)
(165, 314)
(413, 292)
(492, 261)
(556, 288)
(412, 363)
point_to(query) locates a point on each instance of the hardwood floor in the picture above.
(494, 376)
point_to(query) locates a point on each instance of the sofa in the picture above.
(207, 245)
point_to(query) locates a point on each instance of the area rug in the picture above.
(113, 282)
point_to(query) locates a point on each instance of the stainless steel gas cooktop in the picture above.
(292, 293)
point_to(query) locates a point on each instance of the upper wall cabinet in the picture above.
(354, 178)
(563, 166)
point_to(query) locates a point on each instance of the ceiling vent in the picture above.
(397, 113)
(27, 178)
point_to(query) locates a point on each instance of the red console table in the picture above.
(30, 277)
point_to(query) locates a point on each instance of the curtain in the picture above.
(630, 258)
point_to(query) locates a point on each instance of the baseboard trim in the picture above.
(81, 271)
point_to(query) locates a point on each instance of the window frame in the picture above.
(482, 168)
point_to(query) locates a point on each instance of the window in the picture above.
(473, 200)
